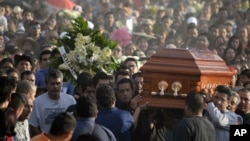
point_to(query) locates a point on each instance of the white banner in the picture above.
(66, 61)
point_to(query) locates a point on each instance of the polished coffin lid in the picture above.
(194, 69)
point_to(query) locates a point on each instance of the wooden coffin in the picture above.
(195, 70)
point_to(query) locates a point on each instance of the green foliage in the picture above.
(79, 25)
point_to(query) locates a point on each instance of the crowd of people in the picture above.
(37, 103)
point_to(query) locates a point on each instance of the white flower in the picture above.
(96, 49)
(87, 39)
(63, 66)
(82, 40)
(107, 51)
(93, 58)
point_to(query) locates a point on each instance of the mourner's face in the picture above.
(244, 105)
(27, 110)
(54, 86)
(102, 82)
(30, 77)
(44, 60)
(233, 103)
(202, 42)
(24, 66)
(139, 82)
(132, 67)
(110, 19)
(221, 101)
(125, 92)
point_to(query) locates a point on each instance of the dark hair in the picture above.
(105, 96)
(54, 52)
(222, 9)
(246, 73)
(246, 83)
(10, 47)
(24, 57)
(85, 84)
(86, 106)
(53, 73)
(121, 72)
(7, 84)
(108, 13)
(224, 89)
(33, 23)
(44, 52)
(87, 137)
(26, 73)
(130, 59)
(206, 35)
(17, 100)
(122, 67)
(28, 11)
(125, 80)
(62, 124)
(138, 74)
(83, 77)
(232, 38)
(5, 60)
(7, 121)
(214, 26)
(191, 26)
(11, 70)
(244, 90)
(195, 102)
(98, 76)
(225, 53)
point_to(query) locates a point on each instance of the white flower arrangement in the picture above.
(85, 50)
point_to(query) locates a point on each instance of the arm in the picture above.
(218, 118)
(34, 131)
(34, 127)
(137, 113)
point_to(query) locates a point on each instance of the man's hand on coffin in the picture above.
(134, 101)
(208, 97)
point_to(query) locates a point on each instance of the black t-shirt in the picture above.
(194, 129)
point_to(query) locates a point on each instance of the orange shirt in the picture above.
(40, 137)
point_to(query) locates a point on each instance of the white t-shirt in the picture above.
(45, 110)
(22, 131)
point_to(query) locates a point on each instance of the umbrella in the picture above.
(64, 4)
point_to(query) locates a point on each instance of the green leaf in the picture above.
(80, 25)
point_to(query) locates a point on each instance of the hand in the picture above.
(208, 97)
(134, 101)
(207, 93)
(143, 106)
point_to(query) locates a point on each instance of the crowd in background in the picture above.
(34, 98)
